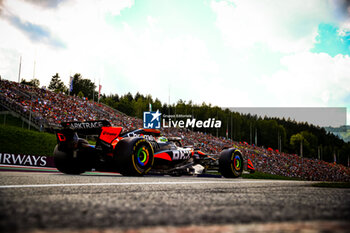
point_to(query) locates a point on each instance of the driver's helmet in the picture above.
(162, 139)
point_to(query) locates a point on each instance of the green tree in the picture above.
(269, 132)
(34, 82)
(129, 97)
(297, 141)
(83, 85)
(140, 106)
(309, 143)
(80, 94)
(126, 107)
(344, 154)
(25, 82)
(311, 139)
(56, 84)
(157, 105)
(111, 100)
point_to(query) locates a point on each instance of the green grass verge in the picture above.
(260, 175)
(23, 141)
(332, 185)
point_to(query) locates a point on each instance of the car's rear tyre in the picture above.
(231, 163)
(71, 162)
(66, 163)
(133, 157)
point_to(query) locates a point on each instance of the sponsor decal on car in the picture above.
(181, 154)
(136, 135)
(108, 134)
(86, 125)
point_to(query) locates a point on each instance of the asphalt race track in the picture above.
(53, 202)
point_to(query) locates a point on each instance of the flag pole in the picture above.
(70, 84)
(93, 93)
(19, 71)
(99, 90)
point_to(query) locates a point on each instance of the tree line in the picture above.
(285, 135)
(79, 86)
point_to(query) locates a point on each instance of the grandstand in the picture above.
(45, 110)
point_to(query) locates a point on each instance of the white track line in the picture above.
(141, 183)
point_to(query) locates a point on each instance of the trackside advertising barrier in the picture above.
(26, 160)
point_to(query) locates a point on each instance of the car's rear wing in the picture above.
(86, 127)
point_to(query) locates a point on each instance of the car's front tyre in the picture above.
(231, 163)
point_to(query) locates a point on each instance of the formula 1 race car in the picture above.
(137, 152)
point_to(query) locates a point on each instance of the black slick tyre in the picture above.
(133, 156)
(67, 163)
(231, 163)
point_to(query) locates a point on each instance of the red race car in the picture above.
(138, 152)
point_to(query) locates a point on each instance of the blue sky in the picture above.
(230, 53)
(329, 41)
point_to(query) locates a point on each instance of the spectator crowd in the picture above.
(48, 109)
